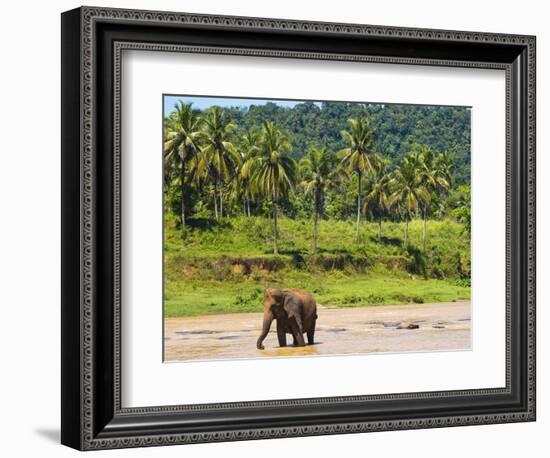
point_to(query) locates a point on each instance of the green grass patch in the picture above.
(188, 298)
(224, 267)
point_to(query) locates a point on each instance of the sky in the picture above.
(205, 102)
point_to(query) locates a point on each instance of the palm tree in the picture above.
(221, 154)
(249, 146)
(444, 165)
(436, 173)
(271, 171)
(319, 169)
(462, 210)
(378, 185)
(357, 157)
(410, 191)
(181, 143)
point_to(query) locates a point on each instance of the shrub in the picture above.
(253, 297)
(464, 282)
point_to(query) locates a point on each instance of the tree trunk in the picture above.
(424, 217)
(182, 184)
(358, 205)
(221, 201)
(380, 227)
(216, 204)
(315, 221)
(406, 241)
(275, 229)
(248, 206)
(244, 206)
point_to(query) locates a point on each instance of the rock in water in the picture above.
(391, 324)
(406, 325)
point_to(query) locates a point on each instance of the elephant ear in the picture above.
(290, 305)
(273, 293)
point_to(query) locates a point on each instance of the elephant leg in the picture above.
(310, 335)
(281, 334)
(300, 342)
(298, 336)
(298, 319)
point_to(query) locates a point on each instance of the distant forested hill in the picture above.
(399, 128)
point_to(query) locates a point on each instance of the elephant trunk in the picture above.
(268, 318)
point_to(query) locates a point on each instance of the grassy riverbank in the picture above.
(224, 266)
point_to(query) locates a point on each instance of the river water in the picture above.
(357, 330)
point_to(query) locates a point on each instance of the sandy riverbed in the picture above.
(442, 326)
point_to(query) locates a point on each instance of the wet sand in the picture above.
(442, 326)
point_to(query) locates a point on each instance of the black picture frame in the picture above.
(92, 40)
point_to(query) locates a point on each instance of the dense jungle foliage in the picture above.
(398, 129)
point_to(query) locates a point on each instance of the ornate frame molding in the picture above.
(88, 434)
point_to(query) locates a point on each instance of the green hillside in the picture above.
(399, 128)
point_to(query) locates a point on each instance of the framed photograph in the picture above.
(276, 228)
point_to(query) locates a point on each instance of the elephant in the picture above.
(296, 313)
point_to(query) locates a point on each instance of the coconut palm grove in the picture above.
(361, 204)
